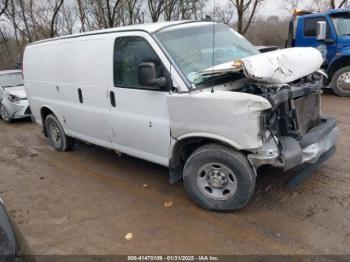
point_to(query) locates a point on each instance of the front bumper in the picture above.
(290, 153)
(17, 110)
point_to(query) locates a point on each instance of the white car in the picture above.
(13, 98)
(164, 93)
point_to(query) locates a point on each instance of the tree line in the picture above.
(25, 21)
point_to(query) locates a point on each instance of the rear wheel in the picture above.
(56, 135)
(5, 114)
(341, 82)
(218, 178)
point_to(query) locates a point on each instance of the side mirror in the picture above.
(147, 76)
(321, 30)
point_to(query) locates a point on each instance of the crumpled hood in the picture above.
(17, 91)
(276, 67)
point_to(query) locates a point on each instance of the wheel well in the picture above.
(44, 112)
(340, 63)
(184, 149)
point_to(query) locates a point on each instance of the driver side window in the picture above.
(129, 53)
(310, 26)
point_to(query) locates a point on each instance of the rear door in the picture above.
(139, 115)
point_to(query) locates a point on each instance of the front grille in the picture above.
(28, 111)
(307, 112)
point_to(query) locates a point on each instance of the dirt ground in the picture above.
(87, 200)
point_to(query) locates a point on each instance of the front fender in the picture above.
(341, 59)
(233, 117)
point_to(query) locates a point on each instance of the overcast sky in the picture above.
(268, 8)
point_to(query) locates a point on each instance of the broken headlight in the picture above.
(14, 99)
(268, 120)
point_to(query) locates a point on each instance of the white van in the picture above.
(211, 111)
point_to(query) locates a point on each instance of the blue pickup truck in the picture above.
(305, 30)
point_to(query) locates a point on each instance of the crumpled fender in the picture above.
(232, 116)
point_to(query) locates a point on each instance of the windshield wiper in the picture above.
(215, 77)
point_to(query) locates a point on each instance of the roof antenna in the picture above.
(213, 61)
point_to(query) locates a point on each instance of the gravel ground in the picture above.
(86, 202)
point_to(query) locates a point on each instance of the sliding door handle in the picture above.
(80, 95)
(112, 97)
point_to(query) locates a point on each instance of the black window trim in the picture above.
(165, 71)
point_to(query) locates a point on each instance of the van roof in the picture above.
(148, 27)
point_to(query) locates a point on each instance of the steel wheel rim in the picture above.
(216, 181)
(4, 114)
(55, 134)
(343, 82)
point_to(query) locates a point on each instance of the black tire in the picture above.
(4, 114)
(338, 86)
(237, 162)
(57, 137)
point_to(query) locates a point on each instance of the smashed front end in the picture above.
(293, 130)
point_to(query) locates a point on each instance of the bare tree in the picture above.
(245, 11)
(24, 17)
(112, 11)
(56, 8)
(82, 15)
(99, 14)
(170, 8)
(333, 4)
(322, 5)
(156, 8)
(69, 18)
(133, 8)
(290, 4)
(184, 9)
(3, 6)
(224, 13)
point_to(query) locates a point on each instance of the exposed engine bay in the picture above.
(292, 87)
(288, 125)
(267, 105)
(296, 107)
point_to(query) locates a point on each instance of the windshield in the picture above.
(342, 23)
(11, 79)
(192, 48)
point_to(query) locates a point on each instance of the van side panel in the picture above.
(39, 64)
(84, 67)
(81, 77)
(92, 57)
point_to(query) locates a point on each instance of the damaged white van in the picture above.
(212, 110)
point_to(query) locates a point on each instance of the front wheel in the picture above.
(341, 82)
(56, 135)
(218, 178)
(5, 114)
